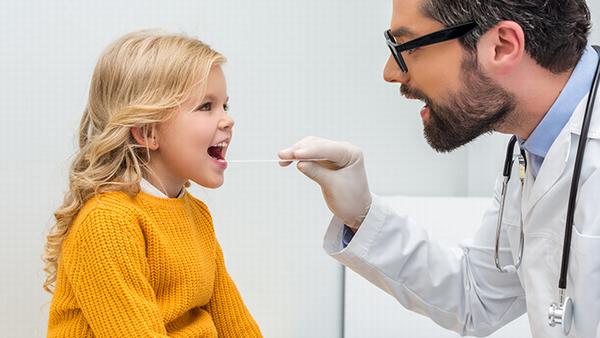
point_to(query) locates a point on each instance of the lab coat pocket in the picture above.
(539, 249)
(585, 244)
(583, 280)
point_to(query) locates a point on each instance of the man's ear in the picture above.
(502, 47)
(142, 137)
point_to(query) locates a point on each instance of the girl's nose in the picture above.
(392, 72)
(226, 122)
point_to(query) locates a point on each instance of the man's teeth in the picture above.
(222, 144)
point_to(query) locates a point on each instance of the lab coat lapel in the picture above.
(551, 170)
(555, 162)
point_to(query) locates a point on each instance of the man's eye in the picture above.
(205, 106)
(410, 51)
(226, 107)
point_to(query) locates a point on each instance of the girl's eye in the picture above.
(410, 51)
(205, 106)
(208, 107)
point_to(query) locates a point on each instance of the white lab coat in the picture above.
(460, 287)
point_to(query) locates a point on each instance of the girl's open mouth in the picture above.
(217, 153)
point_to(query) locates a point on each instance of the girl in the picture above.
(132, 253)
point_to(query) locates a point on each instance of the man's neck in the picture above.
(535, 89)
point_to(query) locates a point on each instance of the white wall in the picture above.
(295, 68)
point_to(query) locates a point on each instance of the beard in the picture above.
(477, 109)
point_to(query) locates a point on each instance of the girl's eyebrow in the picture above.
(211, 97)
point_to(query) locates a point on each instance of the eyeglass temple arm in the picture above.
(444, 35)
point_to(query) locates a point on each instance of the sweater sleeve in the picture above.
(107, 268)
(229, 313)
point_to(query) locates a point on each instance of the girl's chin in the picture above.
(213, 182)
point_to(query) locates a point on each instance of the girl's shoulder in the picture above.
(105, 224)
(118, 203)
(111, 209)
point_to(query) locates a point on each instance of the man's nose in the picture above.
(392, 72)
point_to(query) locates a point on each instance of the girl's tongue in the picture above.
(216, 152)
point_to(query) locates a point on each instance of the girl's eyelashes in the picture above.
(207, 106)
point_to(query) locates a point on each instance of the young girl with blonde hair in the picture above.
(132, 253)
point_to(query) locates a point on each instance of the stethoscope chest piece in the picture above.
(561, 314)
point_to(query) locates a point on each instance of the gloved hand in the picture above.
(340, 173)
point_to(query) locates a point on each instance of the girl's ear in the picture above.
(141, 136)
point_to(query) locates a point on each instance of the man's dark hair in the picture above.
(556, 31)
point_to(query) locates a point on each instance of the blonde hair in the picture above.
(139, 81)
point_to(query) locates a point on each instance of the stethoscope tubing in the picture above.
(559, 313)
(564, 266)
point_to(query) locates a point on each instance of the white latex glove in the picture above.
(340, 173)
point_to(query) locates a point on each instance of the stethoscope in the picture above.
(560, 313)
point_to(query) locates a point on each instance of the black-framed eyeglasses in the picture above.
(445, 34)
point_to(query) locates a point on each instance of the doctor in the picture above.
(520, 67)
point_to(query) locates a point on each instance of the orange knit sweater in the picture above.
(145, 267)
